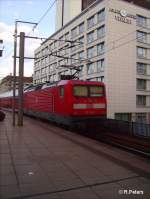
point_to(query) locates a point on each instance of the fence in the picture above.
(125, 127)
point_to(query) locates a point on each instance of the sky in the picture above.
(23, 10)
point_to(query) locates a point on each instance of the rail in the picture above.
(128, 135)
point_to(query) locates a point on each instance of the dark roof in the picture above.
(142, 3)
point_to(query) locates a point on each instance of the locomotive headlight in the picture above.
(79, 106)
(89, 106)
(98, 105)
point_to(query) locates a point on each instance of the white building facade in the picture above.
(114, 48)
(65, 11)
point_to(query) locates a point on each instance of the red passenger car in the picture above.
(6, 99)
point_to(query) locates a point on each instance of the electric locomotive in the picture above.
(68, 102)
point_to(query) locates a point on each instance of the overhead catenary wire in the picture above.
(43, 16)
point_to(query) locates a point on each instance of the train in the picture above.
(67, 102)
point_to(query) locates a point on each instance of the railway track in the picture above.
(135, 144)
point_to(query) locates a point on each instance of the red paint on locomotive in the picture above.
(64, 101)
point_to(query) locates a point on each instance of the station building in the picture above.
(110, 43)
(6, 83)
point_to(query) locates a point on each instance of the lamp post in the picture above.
(14, 67)
(21, 75)
(14, 75)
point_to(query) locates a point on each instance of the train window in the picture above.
(80, 91)
(96, 91)
(61, 91)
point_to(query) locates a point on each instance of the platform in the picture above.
(42, 161)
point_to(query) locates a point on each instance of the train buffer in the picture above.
(40, 160)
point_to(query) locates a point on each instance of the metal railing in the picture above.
(125, 127)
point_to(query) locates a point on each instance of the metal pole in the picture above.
(21, 75)
(14, 75)
(62, 22)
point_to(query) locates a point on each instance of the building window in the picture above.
(66, 49)
(148, 99)
(100, 79)
(81, 55)
(81, 28)
(123, 116)
(60, 41)
(141, 21)
(61, 62)
(101, 32)
(54, 77)
(141, 68)
(141, 84)
(100, 65)
(100, 48)
(90, 68)
(43, 62)
(46, 59)
(90, 52)
(73, 32)
(46, 50)
(101, 15)
(55, 44)
(50, 47)
(73, 58)
(81, 41)
(141, 100)
(81, 71)
(67, 36)
(42, 53)
(73, 47)
(90, 22)
(141, 36)
(141, 117)
(90, 37)
(141, 52)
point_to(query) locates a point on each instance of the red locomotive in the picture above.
(66, 102)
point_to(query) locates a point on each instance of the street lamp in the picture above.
(14, 66)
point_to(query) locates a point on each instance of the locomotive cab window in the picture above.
(96, 91)
(61, 91)
(80, 91)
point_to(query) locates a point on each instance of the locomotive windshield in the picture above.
(96, 91)
(88, 91)
(81, 91)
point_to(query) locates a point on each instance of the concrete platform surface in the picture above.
(42, 161)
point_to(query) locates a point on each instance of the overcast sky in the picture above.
(24, 10)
